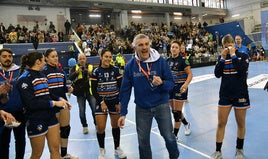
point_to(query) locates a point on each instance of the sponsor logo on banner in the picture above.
(258, 81)
(254, 82)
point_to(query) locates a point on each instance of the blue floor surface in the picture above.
(201, 111)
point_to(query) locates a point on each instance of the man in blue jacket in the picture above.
(151, 77)
(8, 74)
(239, 46)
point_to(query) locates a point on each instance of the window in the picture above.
(207, 3)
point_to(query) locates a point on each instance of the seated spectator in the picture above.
(54, 38)
(72, 37)
(13, 36)
(60, 36)
(260, 55)
(87, 51)
(94, 52)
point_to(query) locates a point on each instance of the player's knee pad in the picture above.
(65, 131)
(177, 115)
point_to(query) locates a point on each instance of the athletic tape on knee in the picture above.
(65, 131)
(177, 115)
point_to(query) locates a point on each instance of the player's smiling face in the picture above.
(106, 59)
(52, 58)
(175, 49)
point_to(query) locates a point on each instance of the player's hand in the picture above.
(104, 107)
(157, 81)
(7, 117)
(121, 121)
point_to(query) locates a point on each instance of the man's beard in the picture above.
(6, 65)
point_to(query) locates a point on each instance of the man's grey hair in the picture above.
(139, 36)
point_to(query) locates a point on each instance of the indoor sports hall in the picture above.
(192, 21)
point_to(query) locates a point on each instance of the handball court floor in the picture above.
(201, 111)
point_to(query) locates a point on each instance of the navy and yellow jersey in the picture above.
(106, 83)
(56, 81)
(233, 74)
(177, 66)
(34, 92)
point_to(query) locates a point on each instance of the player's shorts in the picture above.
(56, 109)
(238, 103)
(175, 94)
(110, 105)
(38, 127)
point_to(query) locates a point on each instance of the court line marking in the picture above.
(154, 132)
(182, 145)
(202, 78)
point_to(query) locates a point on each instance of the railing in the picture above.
(256, 37)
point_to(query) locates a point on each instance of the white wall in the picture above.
(157, 19)
(249, 10)
(9, 15)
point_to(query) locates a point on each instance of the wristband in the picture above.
(52, 103)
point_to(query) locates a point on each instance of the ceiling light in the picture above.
(135, 11)
(136, 17)
(235, 15)
(177, 13)
(177, 18)
(94, 15)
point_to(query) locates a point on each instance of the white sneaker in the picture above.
(187, 129)
(120, 153)
(85, 130)
(102, 154)
(178, 140)
(216, 155)
(69, 156)
(239, 154)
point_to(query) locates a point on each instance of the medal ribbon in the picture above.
(10, 77)
(143, 71)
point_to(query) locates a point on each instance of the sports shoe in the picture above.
(69, 156)
(187, 129)
(102, 154)
(85, 130)
(120, 153)
(239, 154)
(216, 155)
(178, 140)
